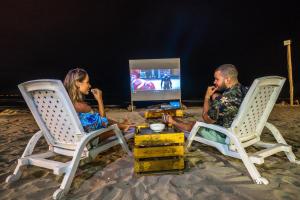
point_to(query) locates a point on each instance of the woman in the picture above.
(77, 85)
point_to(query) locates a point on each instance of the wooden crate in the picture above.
(159, 113)
(156, 152)
(158, 165)
(156, 139)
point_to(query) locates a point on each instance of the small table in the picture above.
(156, 152)
(157, 113)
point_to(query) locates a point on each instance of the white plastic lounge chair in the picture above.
(59, 124)
(247, 127)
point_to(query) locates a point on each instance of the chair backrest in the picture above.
(53, 111)
(256, 107)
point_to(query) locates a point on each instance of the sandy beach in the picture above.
(208, 174)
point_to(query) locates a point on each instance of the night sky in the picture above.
(44, 39)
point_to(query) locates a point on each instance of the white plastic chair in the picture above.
(247, 127)
(58, 121)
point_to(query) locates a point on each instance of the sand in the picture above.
(208, 175)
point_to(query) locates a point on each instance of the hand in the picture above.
(97, 93)
(210, 91)
(168, 119)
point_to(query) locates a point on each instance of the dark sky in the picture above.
(44, 39)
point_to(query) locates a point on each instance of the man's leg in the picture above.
(206, 133)
(124, 126)
(212, 135)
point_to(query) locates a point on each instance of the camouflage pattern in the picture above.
(224, 108)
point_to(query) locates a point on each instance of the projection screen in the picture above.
(155, 79)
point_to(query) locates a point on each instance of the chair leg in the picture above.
(255, 175)
(192, 136)
(69, 175)
(290, 155)
(122, 140)
(16, 175)
(67, 181)
(21, 162)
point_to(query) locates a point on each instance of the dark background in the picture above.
(44, 39)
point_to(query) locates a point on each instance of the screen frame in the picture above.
(155, 95)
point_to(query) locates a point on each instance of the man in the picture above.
(221, 103)
(166, 82)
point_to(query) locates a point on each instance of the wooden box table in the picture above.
(155, 152)
(157, 113)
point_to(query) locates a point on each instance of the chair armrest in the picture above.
(96, 133)
(218, 128)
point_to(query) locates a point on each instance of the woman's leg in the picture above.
(124, 126)
(106, 135)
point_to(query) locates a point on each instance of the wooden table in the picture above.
(156, 152)
(157, 113)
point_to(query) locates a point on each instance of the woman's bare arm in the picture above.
(98, 96)
(82, 107)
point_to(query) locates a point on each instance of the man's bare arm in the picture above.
(205, 116)
(184, 126)
(210, 91)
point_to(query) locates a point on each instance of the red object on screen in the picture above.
(140, 84)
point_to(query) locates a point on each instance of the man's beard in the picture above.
(222, 88)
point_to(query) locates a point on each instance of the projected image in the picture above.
(154, 79)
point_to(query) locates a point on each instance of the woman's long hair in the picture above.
(74, 75)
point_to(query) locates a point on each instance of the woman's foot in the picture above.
(125, 127)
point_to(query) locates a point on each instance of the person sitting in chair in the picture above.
(77, 84)
(221, 103)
